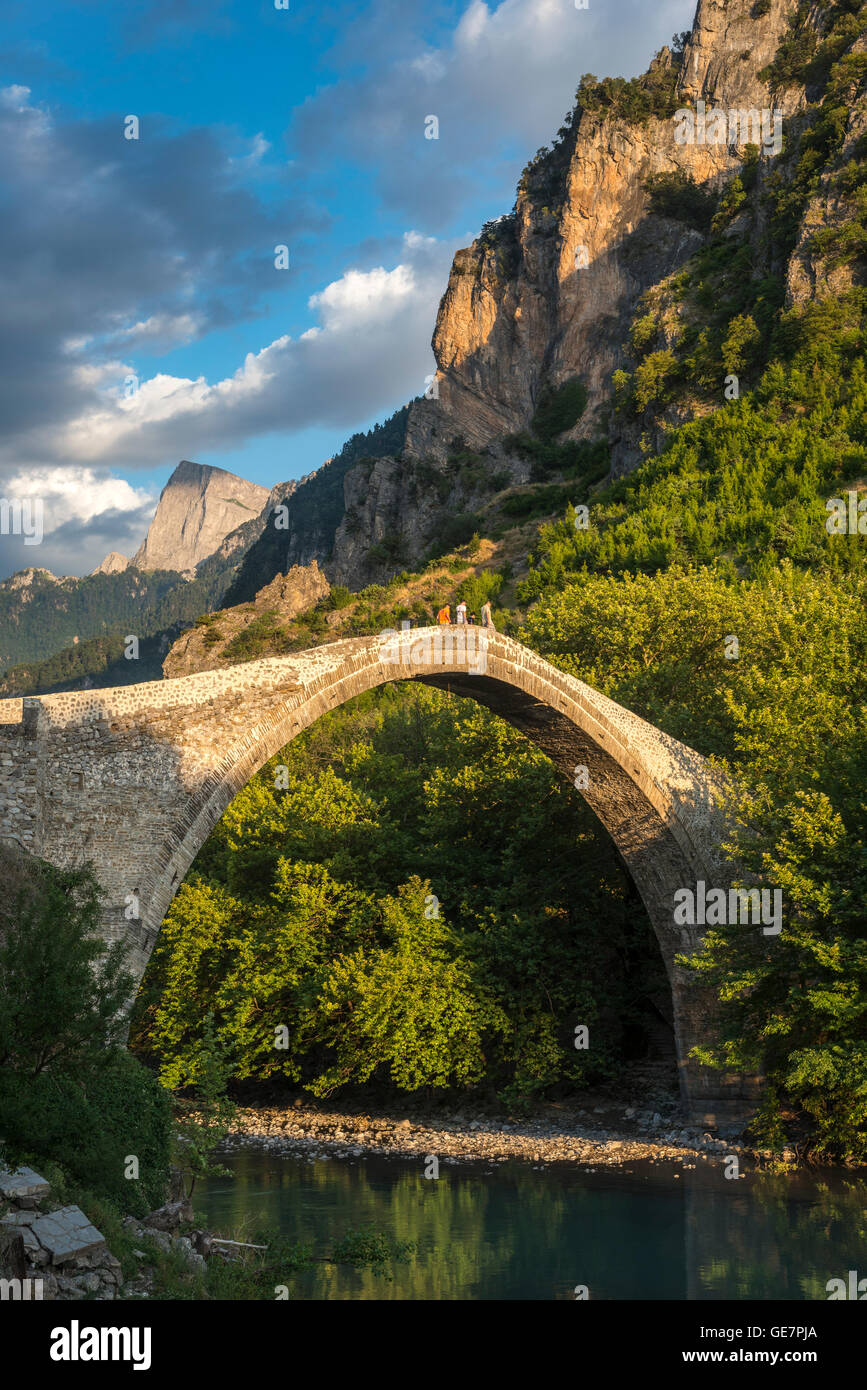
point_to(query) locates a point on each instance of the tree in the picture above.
(62, 991)
(68, 1090)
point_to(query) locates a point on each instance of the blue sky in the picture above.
(143, 319)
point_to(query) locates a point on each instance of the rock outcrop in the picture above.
(114, 563)
(48, 1251)
(199, 508)
(202, 648)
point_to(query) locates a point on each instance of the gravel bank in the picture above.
(608, 1136)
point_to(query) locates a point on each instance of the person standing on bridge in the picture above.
(444, 616)
(461, 612)
(487, 620)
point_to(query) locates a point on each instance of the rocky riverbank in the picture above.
(607, 1135)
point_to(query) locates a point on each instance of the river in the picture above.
(649, 1231)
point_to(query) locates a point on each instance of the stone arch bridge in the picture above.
(135, 778)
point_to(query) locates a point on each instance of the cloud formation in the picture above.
(110, 245)
(502, 81)
(369, 352)
(84, 513)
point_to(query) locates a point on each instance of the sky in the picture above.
(154, 158)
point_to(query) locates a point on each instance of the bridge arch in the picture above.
(136, 777)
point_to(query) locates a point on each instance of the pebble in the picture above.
(459, 1137)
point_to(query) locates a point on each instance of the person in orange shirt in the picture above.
(444, 616)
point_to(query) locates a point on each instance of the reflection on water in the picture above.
(518, 1232)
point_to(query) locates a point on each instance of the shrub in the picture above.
(559, 410)
(264, 633)
(679, 197)
(388, 551)
(478, 588)
(340, 597)
(91, 1123)
(650, 378)
(454, 531)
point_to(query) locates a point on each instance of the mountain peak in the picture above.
(114, 563)
(198, 507)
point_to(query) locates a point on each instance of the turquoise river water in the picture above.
(516, 1232)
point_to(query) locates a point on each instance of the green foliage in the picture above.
(453, 531)
(478, 588)
(65, 668)
(746, 485)
(677, 196)
(731, 200)
(340, 596)
(259, 636)
(410, 907)
(408, 1009)
(67, 1090)
(804, 56)
(581, 459)
(742, 344)
(205, 1115)
(559, 410)
(56, 1010)
(91, 1121)
(540, 500)
(499, 238)
(650, 377)
(787, 721)
(636, 99)
(723, 532)
(642, 333)
(388, 551)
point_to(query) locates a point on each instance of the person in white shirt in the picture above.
(462, 612)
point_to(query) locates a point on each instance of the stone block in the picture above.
(22, 1183)
(66, 1234)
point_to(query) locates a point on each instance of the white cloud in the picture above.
(259, 147)
(100, 261)
(86, 512)
(75, 494)
(15, 98)
(360, 297)
(160, 332)
(370, 352)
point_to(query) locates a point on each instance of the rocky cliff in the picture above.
(548, 293)
(199, 508)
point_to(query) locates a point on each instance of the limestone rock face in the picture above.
(395, 509)
(114, 563)
(727, 49)
(198, 508)
(809, 274)
(552, 294)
